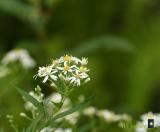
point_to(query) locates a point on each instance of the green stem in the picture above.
(14, 127)
(33, 114)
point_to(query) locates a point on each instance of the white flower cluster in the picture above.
(71, 69)
(28, 105)
(4, 71)
(72, 119)
(38, 95)
(20, 55)
(142, 126)
(110, 116)
(49, 129)
(56, 98)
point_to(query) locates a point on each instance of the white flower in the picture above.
(28, 105)
(20, 55)
(47, 72)
(90, 111)
(4, 71)
(108, 116)
(76, 60)
(87, 80)
(72, 118)
(66, 58)
(157, 120)
(124, 117)
(143, 125)
(140, 127)
(84, 61)
(55, 97)
(63, 130)
(68, 130)
(67, 68)
(23, 114)
(47, 129)
(76, 78)
(83, 69)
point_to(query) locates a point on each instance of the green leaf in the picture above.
(23, 130)
(1, 130)
(61, 86)
(72, 110)
(29, 98)
(86, 127)
(34, 124)
(103, 42)
(23, 11)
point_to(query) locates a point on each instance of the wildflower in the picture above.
(47, 129)
(47, 72)
(55, 63)
(124, 117)
(23, 114)
(143, 124)
(67, 68)
(20, 55)
(77, 77)
(76, 60)
(28, 105)
(90, 111)
(84, 61)
(140, 127)
(72, 118)
(4, 71)
(109, 116)
(56, 98)
(63, 130)
(76, 80)
(10, 118)
(66, 58)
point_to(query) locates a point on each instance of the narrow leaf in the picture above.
(29, 98)
(34, 124)
(72, 110)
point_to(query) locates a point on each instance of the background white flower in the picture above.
(20, 55)
(4, 71)
(47, 129)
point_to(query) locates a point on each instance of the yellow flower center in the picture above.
(17, 50)
(82, 69)
(150, 115)
(67, 58)
(77, 75)
(54, 62)
(66, 68)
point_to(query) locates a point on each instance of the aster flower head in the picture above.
(84, 61)
(142, 125)
(70, 69)
(47, 72)
(20, 55)
(4, 71)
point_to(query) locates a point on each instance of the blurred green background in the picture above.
(121, 39)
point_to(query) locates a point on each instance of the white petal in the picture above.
(54, 77)
(45, 79)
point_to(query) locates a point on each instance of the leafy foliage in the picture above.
(121, 38)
